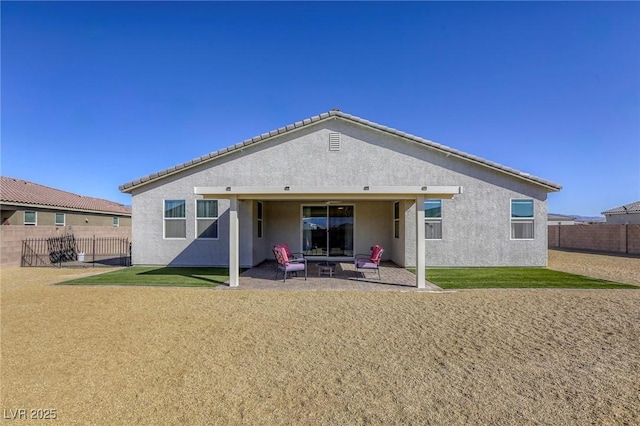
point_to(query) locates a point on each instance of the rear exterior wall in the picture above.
(476, 225)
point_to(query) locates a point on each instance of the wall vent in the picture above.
(334, 141)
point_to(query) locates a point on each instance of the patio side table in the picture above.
(326, 268)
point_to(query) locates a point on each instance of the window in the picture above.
(175, 219)
(59, 219)
(260, 219)
(30, 218)
(522, 219)
(207, 218)
(396, 219)
(433, 219)
(116, 221)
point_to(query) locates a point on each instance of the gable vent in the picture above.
(334, 141)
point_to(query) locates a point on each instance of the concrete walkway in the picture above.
(345, 278)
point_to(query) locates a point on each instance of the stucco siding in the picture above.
(476, 224)
(374, 225)
(476, 231)
(622, 219)
(47, 217)
(283, 226)
(151, 248)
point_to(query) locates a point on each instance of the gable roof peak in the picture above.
(335, 112)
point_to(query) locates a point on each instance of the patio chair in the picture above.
(287, 266)
(370, 261)
(293, 257)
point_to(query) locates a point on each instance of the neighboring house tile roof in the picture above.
(627, 208)
(24, 193)
(127, 187)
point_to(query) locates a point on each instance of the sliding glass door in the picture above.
(328, 230)
(314, 230)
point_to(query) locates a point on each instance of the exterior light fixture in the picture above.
(286, 188)
(366, 188)
(228, 188)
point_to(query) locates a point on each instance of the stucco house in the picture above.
(333, 186)
(28, 203)
(627, 214)
(30, 211)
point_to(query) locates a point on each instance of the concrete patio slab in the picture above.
(345, 278)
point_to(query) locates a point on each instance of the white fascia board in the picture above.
(314, 192)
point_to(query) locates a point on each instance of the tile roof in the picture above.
(127, 187)
(22, 192)
(627, 208)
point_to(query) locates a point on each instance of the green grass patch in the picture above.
(157, 276)
(507, 277)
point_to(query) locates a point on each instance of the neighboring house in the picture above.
(560, 219)
(334, 185)
(627, 214)
(26, 203)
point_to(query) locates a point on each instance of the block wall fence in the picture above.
(11, 237)
(607, 238)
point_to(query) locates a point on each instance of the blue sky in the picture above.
(95, 95)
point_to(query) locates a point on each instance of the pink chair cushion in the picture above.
(281, 253)
(376, 253)
(286, 248)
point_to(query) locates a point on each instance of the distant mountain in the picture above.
(589, 218)
(583, 219)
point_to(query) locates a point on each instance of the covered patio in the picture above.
(415, 229)
(345, 278)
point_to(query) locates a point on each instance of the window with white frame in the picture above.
(207, 219)
(175, 219)
(59, 219)
(522, 219)
(260, 215)
(396, 219)
(116, 221)
(433, 219)
(30, 218)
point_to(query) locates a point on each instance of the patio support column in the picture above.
(420, 250)
(234, 244)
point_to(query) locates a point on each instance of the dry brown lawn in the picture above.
(125, 355)
(614, 268)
